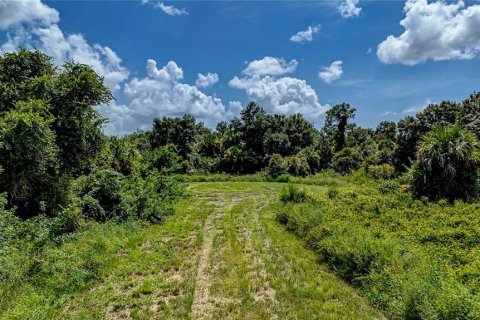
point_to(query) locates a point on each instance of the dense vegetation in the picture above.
(414, 259)
(60, 176)
(403, 197)
(436, 152)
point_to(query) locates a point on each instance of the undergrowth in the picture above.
(414, 259)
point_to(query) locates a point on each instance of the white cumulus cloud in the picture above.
(306, 35)
(50, 39)
(285, 95)
(15, 12)
(161, 93)
(207, 80)
(438, 30)
(348, 8)
(270, 66)
(331, 73)
(170, 10)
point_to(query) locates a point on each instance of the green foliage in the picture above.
(29, 156)
(298, 165)
(293, 194)
(77, 89)
(100, 194)
(386, 130)
(469, 117)
(122, 156)
(49, 130)
(382, 171)
(152, 198)
(236, 160)
(412, 259)
(106, 194)
(313, 159)
(277, 166)
(347, 160)
(447, 164)
(24, 75)
(163, 159)
(388, 186)
(339, 115)
(180, 132)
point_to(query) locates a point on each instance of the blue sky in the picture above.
(247, 47)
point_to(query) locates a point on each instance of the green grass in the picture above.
(413, 259)
(221, 255)
(41, 280)
(325, 178)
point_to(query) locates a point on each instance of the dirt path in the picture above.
(201, 299)
(221, 256)
(246, 270)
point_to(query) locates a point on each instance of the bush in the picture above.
(298, 166)
(100, 195)
(312, 157)
(277, 166)
(388, 186)
(163, 159)
(122, 155)
(152, 198)
(332, 193)
(293, 194)
(447, 165)
(347, 160)
(412, 259)
(30, 158)
(381, 171)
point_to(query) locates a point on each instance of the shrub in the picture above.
(381, 171)
(293, 194)
(312, 157)
(122, 155)
(100, 194)
(347, 160)
(298, 165)
(388, 186)
(163, 159)
(152, 198)
(332, 193)
(277, 166)
(447, 165)
(29, 156)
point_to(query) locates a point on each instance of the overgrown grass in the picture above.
(37, 280)
(324, 178)
(414, 259)
(293, 194)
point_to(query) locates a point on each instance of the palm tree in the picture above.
(447, 165)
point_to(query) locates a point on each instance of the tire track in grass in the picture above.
(202, 301)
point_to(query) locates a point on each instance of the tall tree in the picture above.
(25, 75)
(180, 132)
(339, 115)
(386, 130)
(50, 130)
(28, 155)
(77, 90)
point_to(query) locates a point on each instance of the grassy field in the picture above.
(222, 255)
(413, 259)
(233, 250)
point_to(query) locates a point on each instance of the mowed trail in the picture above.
(251, 268)
(221, 256)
